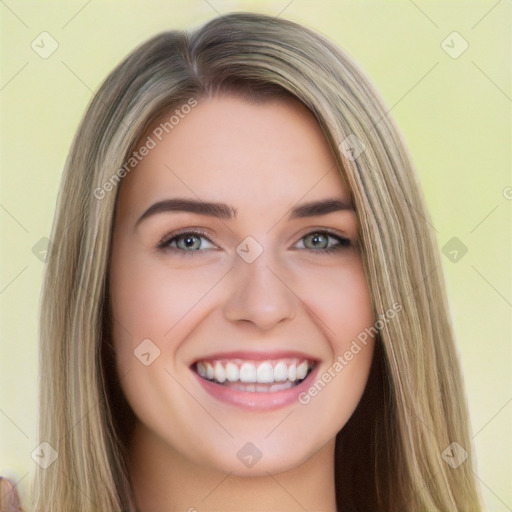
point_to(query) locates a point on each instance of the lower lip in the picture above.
(254, 400)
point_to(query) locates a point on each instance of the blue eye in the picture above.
(190, 242)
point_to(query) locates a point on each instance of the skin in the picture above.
(263, 159)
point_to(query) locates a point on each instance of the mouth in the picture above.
(255, 376)
(253, 382)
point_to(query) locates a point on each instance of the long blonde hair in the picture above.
(414, 405)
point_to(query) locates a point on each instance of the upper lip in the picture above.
(257, 355)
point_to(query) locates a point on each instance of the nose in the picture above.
(260, 293)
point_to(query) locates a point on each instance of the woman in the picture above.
(256, 371)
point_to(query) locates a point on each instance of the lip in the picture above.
(251, 400)
(257, 356)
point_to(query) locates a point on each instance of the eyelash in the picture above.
(343, 243)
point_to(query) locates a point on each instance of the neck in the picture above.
(165, 481)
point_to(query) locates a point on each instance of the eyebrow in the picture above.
(225, 211)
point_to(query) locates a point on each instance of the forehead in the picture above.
(225, 148)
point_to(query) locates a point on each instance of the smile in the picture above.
(255, 376)
(256, 382)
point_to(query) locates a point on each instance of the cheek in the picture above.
(341, 302)
(344, 309)
(149, 297)
(152, 300)
(148, 300)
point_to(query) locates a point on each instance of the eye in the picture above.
(319, 242)
(186, 241)
(190, 241)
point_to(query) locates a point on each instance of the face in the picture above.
(234, 323)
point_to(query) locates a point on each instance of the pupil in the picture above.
(189, 241)
(318, 238)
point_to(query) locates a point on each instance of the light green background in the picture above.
(455, 115)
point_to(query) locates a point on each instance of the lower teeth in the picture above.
(257, 387)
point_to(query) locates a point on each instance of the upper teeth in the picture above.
(252, 371)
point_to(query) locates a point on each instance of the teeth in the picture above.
(292, 372)
(220, 373)
(232, 372)
(280, 372)
(263, 389)
(248, 373)
(266, 372)
(302, 370)
(201, 369)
